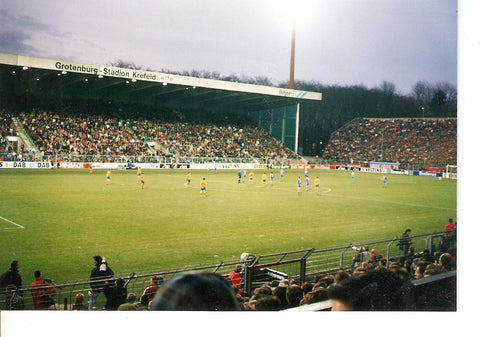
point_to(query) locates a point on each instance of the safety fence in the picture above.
(180, 162)
(299, 266)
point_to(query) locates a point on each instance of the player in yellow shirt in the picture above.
(316, 182)
(264, 179)
(142, 181)
(188, 180)
(139, 173)
(109, 177)
(251, 175)
(203, 188)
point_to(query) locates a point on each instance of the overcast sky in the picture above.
(342, 42)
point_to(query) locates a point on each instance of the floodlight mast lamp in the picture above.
(291, 85)
(292, 59)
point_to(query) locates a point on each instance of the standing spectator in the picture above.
(38, 295)
(13, 298)
(363, 255)
(376, 258)
(405, 242)
(11, 284)
(449, 227)
(115, 293)
(11, 276)
(100, 272)
(236, 278)
(450, 231)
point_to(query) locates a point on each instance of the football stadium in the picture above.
(123, 188)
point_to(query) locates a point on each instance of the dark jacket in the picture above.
(11, 276)
(98, 277)
(115, 294)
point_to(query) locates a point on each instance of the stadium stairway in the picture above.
(24, 138)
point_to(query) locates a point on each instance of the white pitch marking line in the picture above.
(13, 223)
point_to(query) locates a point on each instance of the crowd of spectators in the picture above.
(68, 134)
(77, 135)
(427, 142)
(188, 139)
(430, 142)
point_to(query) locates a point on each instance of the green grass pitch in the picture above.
(56, 220)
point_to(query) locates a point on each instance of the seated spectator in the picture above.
(399, 270)
(318, 294)
(307, 287)
(130, 303)
(79, 303)
(267, 303)
(154, 286)
(294, 295)
(379, 289)
(341, 275)
(280, 291)
(433, 269)
(325, 281)
(264, 289)
(446, 261)
(420, 267)
(196, 291)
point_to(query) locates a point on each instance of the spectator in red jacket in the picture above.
(39, 291)
(236, 278)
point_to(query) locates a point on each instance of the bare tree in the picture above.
(387, 88)
(125, 64)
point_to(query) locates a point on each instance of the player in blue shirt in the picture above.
(299, 185)
(384, 181)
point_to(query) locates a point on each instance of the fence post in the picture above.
(388, 247)
(303, 266)
(342, 254)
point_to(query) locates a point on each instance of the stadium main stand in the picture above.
(73, 136)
